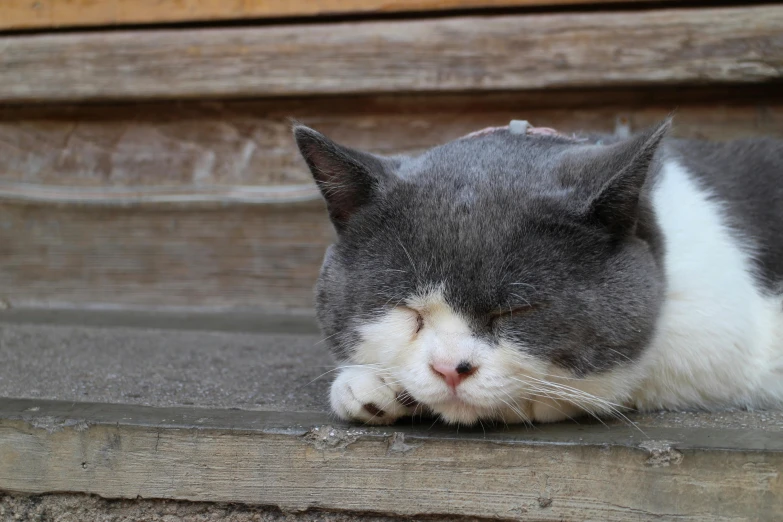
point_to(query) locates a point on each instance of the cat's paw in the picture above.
(362, 394)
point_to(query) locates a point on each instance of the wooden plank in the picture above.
(238, 256)
(40, 14)
(133, 196)
(234, 144)
(242, 252)
(299, 461)
(662, 47)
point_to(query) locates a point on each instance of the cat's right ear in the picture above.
(348, 179)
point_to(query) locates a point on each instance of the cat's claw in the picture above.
(362, 394)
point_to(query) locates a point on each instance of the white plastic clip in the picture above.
(622, 127)
(518, 126)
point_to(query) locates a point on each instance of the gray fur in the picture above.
(503, 219)
(746, 177)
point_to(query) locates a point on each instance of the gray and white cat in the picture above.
(521, 277)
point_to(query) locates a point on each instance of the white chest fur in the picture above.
(720, 339)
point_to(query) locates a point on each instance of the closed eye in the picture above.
(511, 312)
(417, 315)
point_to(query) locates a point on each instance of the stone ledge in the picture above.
(301, 461)
(230, 409)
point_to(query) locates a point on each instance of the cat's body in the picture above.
(518, 278)
(720, 334)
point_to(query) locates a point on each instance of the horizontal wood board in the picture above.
(258, 257)
(243, 254)
(234, 456)
(210, 145)
(656, 47)
(49, 14)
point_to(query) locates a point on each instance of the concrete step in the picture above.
(231, 410)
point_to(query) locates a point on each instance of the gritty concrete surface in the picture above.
(133, 359)
(771, 421)
(159, 367)
(80, 508)
(235, 320)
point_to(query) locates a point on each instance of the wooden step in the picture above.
(242, 418)
(537, 51)
(301, 461)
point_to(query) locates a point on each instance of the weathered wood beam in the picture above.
(210, 145)
(150, 205)
(659, 47)
(302, 460)
(251, 256)
(43, 14)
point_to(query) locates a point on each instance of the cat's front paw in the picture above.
(363, 394)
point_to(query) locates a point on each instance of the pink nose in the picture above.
(453, 375)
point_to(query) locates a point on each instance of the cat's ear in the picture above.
(348, 179)
(616, 204)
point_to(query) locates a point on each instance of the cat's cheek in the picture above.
(362, 394)
(387, 339)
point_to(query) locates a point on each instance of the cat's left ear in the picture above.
(348, 179)
(616, 203)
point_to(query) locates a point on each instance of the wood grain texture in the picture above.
(238, 252)
(387, 471)
(660, 47)
(40, 14)
(240, 256)
(145, 196)
(206, 145)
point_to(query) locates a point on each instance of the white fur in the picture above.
(356, 386)
(719, 341)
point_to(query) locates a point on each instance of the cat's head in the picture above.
(481, 267)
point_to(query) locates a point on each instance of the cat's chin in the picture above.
(461, 412)
(464, 413)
